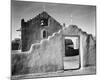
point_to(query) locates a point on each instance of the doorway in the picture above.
(72, 54)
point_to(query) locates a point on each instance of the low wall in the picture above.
(45, 56)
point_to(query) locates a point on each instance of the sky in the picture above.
(84, 16)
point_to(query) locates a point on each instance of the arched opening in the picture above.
(44, 34)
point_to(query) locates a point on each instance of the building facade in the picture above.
(38, 28)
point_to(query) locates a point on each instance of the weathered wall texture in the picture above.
(91, 51)
(45, 56)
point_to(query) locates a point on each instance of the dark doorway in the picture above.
(69, 48)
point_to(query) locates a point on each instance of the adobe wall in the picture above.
(45, 56)
(87, 45)
(30, 34)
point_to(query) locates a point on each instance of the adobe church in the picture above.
(38, 28)
(43, 47)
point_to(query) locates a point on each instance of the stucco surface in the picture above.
(47, 56)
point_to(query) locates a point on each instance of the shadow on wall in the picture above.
(19, 64)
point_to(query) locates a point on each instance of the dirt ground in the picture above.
(71, 62)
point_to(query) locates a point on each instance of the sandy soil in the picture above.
(71, 62)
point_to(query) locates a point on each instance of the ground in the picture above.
(84, 71)
(71, 62)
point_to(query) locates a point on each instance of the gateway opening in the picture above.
(72, 55)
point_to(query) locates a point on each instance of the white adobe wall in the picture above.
(48, 54)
